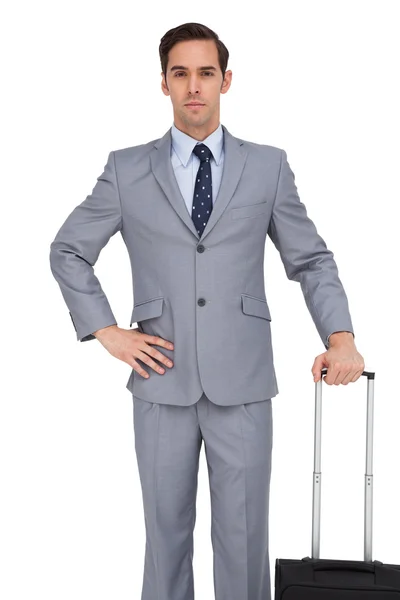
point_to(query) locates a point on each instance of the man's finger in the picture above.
(158, 341)
(349, 377)
(358, 374)
(333, 374)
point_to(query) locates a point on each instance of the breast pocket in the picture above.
(250, 210)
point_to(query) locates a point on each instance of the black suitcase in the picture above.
(325, 579)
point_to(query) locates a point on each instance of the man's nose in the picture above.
(194, 87)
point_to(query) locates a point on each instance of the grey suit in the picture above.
(173, 269)
(206, 294)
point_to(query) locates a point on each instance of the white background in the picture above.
(318, 79)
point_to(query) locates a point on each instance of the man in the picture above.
(194, 209)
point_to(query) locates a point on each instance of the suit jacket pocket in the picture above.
(250, 210)
(147, 309)
(257, 307)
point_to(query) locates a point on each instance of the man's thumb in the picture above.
(317, 368)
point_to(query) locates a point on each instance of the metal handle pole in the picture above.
(316, 522)
(368, 492)
(369, 481)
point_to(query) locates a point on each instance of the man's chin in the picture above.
(197, 118)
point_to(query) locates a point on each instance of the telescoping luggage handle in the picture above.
(316, 527)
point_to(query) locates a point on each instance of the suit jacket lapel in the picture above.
(234, 161)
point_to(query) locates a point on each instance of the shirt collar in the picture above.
(183, 144)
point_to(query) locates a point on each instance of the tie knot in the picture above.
(202, 151)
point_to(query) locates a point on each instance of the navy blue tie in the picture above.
(202, 196)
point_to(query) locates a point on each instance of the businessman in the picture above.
(194, 208)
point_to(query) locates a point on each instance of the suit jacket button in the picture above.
(201, 302)
(200, 248)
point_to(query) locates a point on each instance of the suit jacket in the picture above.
(204, 293)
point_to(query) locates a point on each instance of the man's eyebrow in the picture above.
(182, 68)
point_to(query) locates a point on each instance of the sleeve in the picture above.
(307, 259)
(75, 250)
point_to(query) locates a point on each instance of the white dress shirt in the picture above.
(186, 164)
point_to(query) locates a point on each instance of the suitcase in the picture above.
(312, 578)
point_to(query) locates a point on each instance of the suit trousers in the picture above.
(238, 447)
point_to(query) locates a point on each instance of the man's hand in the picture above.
(345, 364)
(128, 344)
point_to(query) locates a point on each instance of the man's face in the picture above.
(188, 81)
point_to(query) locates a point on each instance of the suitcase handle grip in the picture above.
(368, 374)
(367, 568)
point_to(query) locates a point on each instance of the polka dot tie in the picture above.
(202, 197)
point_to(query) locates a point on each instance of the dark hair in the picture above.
(191, 31)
